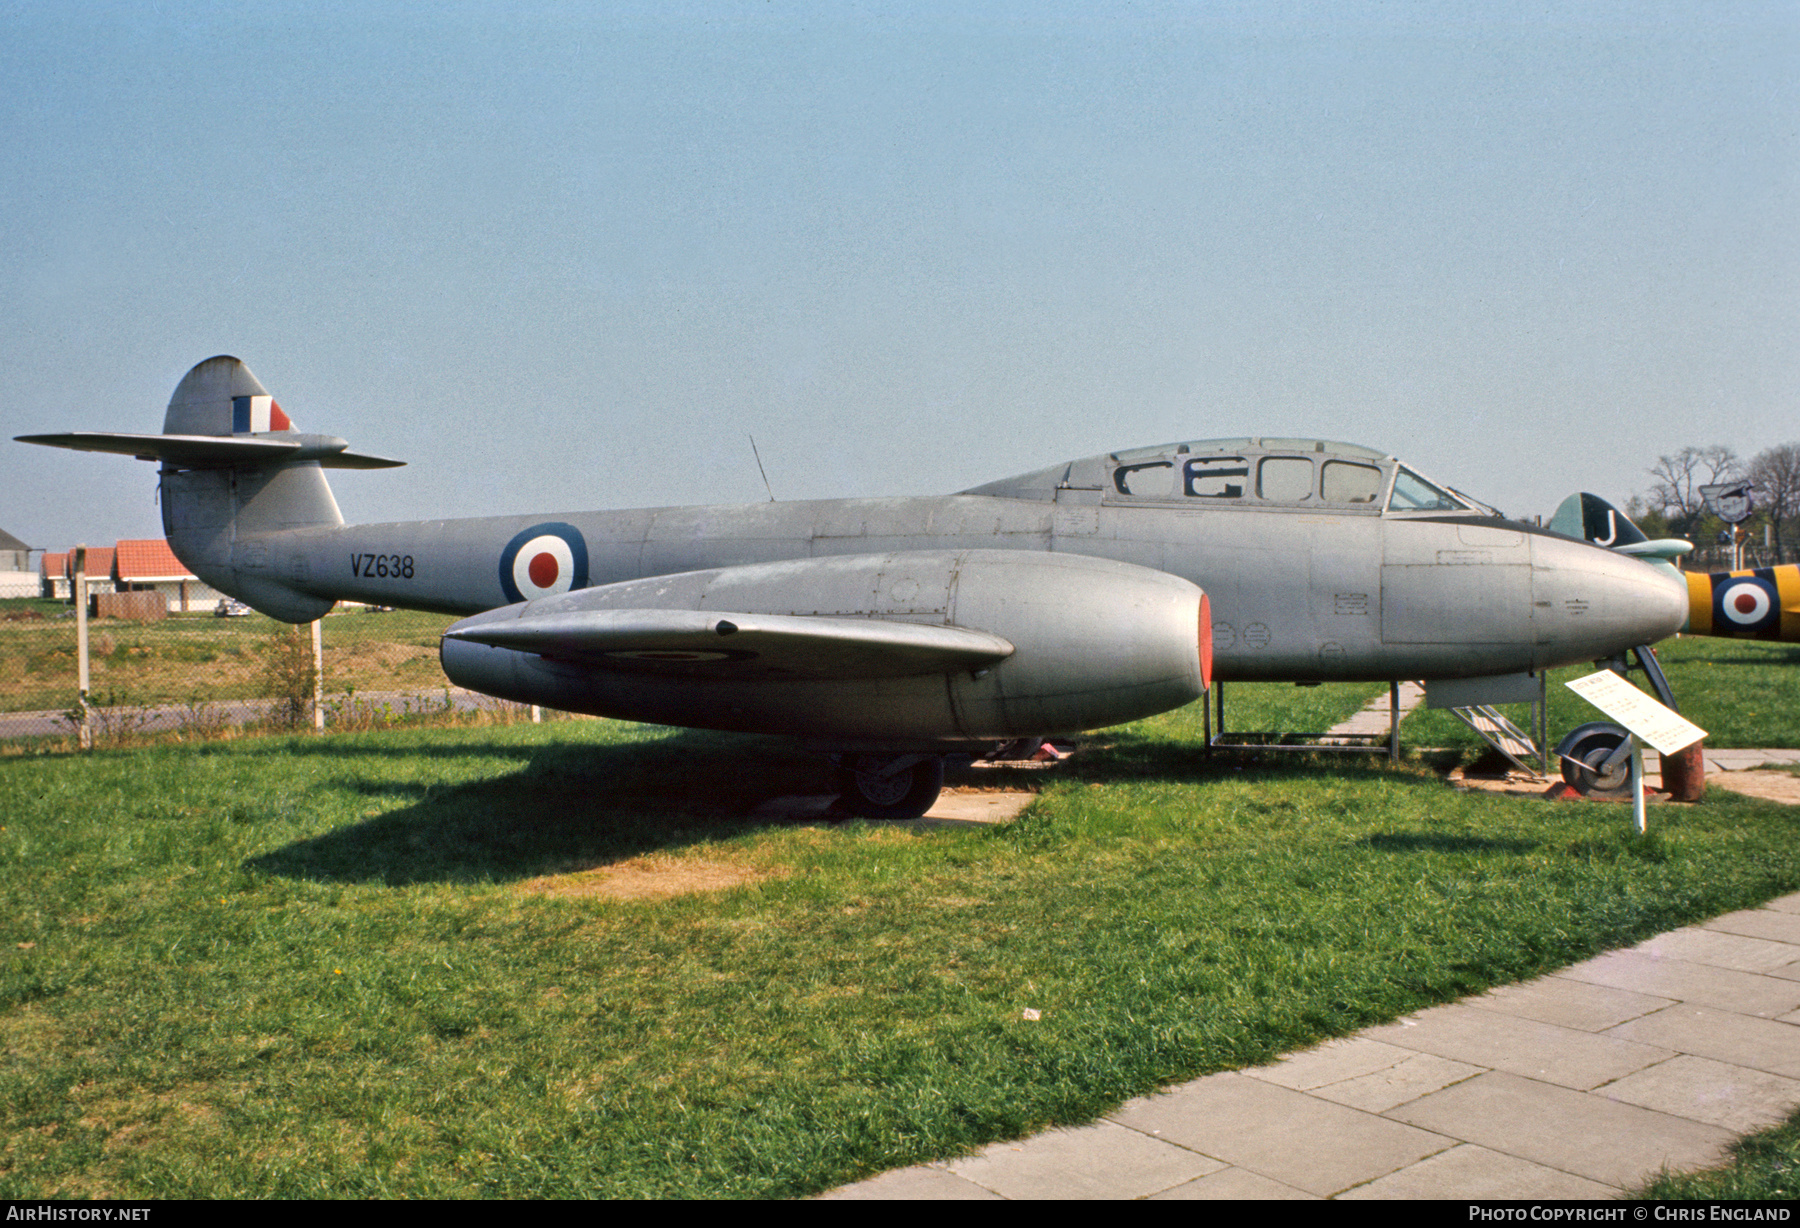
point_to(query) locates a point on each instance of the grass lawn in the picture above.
(470, 962)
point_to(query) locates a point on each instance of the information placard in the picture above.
(1663, 728)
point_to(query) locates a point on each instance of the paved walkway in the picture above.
(1581, 1084)
(1374, 719)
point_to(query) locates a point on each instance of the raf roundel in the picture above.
(542, 561)
(1746, 603)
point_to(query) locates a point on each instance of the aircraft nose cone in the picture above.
(1591, 603)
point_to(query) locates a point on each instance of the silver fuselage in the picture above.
(1297, 594)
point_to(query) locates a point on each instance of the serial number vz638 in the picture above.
(385, 566)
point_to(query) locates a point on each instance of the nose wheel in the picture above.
(1595, 760)
(889, 787)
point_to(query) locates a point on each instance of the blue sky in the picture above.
(566, 256)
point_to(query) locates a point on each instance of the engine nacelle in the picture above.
(900, 649)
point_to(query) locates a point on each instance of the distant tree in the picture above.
(1776, 472)
(1647, 517)
(1679, 478)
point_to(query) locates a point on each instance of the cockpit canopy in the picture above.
(1252, 472)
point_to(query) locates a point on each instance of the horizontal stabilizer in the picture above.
(697, 643)
(1669, 548)
(217, 451)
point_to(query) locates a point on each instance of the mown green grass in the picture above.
(1764, 1165)
(312, 967)
(1742, 692)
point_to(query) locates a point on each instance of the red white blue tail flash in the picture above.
(255, 415)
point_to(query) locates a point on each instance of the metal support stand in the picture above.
(1352, 743)
(1646, 661)
(1393, 722)
(1540, 712)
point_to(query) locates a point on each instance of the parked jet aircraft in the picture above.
(1757, 603)
(891, 631)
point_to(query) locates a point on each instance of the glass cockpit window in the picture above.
(1284, 479)
(1146, 479)
(1217, 477)
(1413, 493)
(1346, 482)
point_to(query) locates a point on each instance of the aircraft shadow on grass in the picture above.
(567, 808)
(571, 808)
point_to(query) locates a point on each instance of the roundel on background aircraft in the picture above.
(1745, 604)
(542, 561)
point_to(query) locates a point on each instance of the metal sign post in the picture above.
(318, 673)
(1732, 502)
(84, 729)
(1639, 819)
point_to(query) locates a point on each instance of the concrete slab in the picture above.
(1770, 786)
(797, 807)
(1740, 760)
(1335, 1061)
(920, 1183)
(1701, 1089)
(1603, 1140)
(1255, 1125)
(952, 809)
(1718, 949)
(1104, 1160)
(1786, 903)
(1234, 1185)
(1419, 1075)
(1545, 1051)
(1571, 1004)
(1469, 1172)
(1767, 923)
(976, 807)
(1742, 1040)
(1725, 988)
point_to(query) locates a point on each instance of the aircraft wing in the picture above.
(216, 450)
(697, 643)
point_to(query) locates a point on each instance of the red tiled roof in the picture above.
(148, 559)
(55, 564)
(99, 562)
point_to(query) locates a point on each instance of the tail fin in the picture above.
(1592, 519)
(235, 471)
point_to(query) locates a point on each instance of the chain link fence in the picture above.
(204, 674)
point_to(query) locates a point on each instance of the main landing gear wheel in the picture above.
(1584, 754)
(873, 790)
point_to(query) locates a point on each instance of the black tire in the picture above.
(906, 794)
(1584, 753)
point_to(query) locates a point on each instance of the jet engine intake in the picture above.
(929, 648)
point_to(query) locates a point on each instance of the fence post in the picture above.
(318, 672)
(84, 729)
